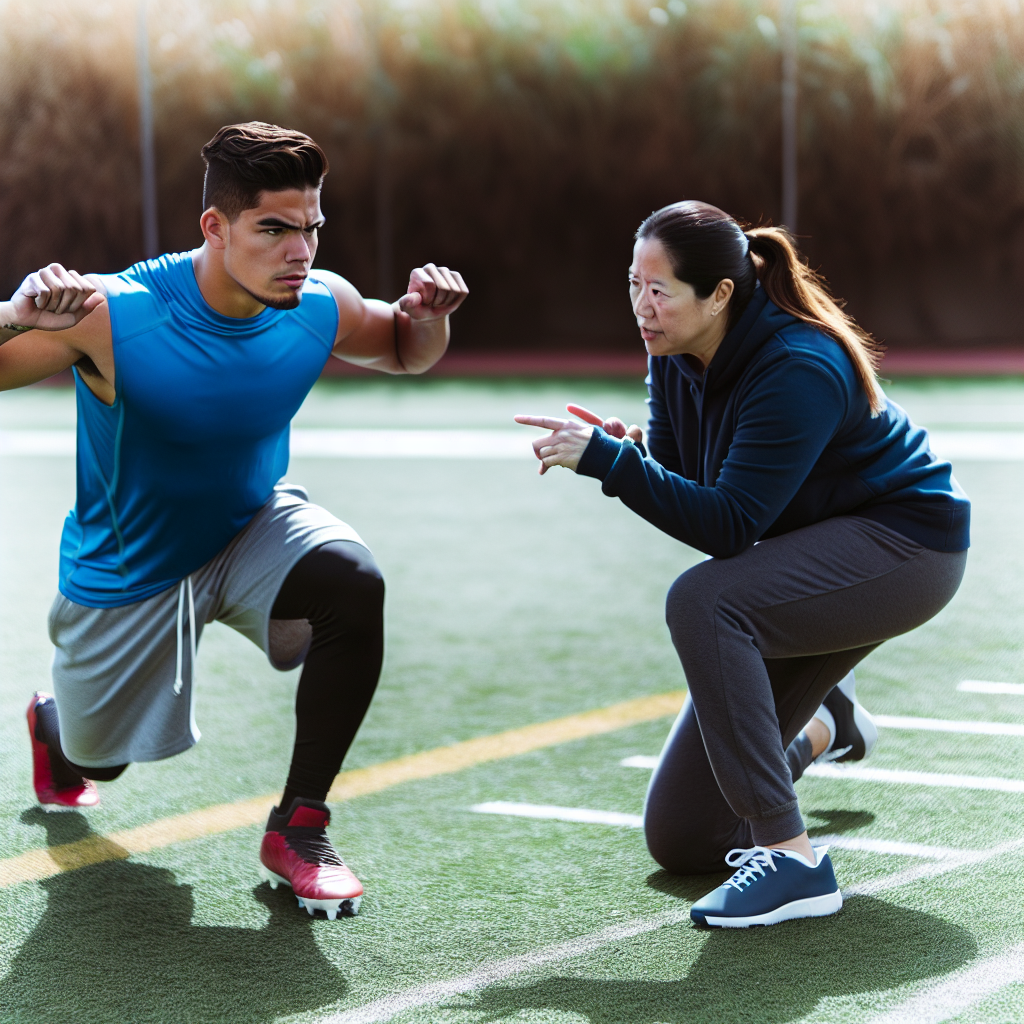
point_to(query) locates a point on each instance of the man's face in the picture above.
(270, 248)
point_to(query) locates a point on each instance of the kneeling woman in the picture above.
(830, 524)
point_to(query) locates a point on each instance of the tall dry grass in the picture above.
(523, 140)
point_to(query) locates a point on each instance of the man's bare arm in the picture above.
(68, 324)
(407, 336)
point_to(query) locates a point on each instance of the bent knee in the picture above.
(366, 585)
(355, 576)
(681, 850)
(690, 603)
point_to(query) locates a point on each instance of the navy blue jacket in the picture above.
(777, 434)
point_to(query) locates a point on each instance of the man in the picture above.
(188, 370)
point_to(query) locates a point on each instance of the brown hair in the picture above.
(243, 160)
(705, 246)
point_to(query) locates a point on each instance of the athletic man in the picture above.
(188, 371)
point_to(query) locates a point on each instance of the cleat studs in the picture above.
(302, 902)
(332, 915)
(309, 910)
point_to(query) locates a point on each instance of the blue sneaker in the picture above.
(770, 886)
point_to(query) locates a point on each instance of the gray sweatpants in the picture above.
(763, 637)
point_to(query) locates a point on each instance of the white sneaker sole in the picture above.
(347, 907)
(815, 906)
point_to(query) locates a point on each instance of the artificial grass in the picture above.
(512, 599)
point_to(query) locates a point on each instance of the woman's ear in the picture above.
(723, 293)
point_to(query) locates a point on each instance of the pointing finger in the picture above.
(585, 414)
(547, 422)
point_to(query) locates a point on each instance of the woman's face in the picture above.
(672, 320)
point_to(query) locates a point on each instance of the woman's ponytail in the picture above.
(796, 289)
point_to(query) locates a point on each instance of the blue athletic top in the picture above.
(777, 434)
(197, 435)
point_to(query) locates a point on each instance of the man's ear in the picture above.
(215, 227)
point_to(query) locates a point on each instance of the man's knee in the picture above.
(356, 582)
(353, 601)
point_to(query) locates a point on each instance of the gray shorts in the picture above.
(123, 677)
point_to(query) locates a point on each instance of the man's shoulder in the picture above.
(348, 303)
(154, 276)
(139, 297)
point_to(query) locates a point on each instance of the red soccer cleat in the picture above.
(295, 850)
(57, 789)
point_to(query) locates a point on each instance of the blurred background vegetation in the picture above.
(522, 141)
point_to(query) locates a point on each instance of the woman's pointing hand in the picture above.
(568, 440)
(564, 446)
(613, 425)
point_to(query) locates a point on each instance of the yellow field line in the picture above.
(35, 865)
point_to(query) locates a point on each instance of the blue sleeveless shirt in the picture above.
(197, 435)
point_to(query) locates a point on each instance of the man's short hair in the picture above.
(243, 160)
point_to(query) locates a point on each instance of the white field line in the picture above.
(982, 686)
(550, 812)
(959, 991)
(914, 723)
(479, 444)
(915, 874)
(412, 444)
(949, 725)
(37, 442)
(386, 1008)
(331, 444)
(978, 445)
(888, 846)
(390, 1006)
(857, 773)
(640, 761)
(888, 776)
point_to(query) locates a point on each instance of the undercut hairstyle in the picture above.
(243, 160)
(705, 246)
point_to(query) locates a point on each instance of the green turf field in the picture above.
(515, 600)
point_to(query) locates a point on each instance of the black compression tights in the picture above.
(339, 589)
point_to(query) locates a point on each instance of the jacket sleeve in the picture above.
(661, 439)
(782, 427)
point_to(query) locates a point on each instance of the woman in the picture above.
(830, 524)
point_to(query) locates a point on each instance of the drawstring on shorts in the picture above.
(185, 585)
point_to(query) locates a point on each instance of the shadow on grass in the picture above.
(116, 944)
(768, 975)
(837, 822)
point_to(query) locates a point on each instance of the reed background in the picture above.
(522, 142)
